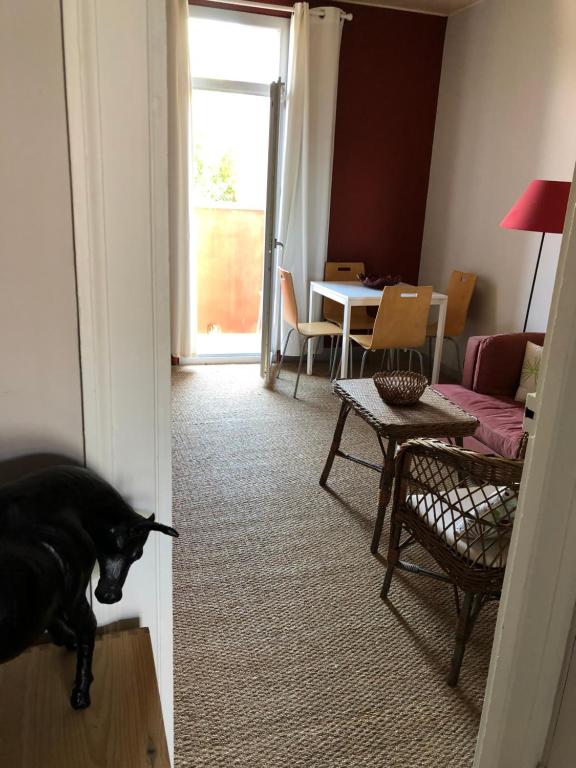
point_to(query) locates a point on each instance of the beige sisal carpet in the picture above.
(285, 656)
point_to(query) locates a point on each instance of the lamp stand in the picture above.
(534, 281)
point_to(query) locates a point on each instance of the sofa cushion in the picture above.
(500, 418)
(494, 363)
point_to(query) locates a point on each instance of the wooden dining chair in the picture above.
(400, 322)
(460, 290)
(305, 330)
(346, 272)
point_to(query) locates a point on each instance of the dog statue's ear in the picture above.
(150, 524)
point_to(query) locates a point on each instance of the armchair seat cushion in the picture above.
(500, 418)
(475, 523)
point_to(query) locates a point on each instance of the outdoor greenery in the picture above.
(214, 181)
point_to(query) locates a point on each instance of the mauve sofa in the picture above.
(492, 369)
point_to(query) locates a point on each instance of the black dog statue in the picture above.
(54, 526)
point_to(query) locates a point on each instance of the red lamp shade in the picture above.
(541, 207)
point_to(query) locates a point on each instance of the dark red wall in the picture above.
(389, 75)
(390, 64)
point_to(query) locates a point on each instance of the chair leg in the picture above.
(300, 365)
(457, 350)
(430, 363)
(331, 353)
(283, 353)
(316, 349)
(335, 361)
(420, 359)
(468, 613)
(393, 555)
(351, 360)
(363, 363)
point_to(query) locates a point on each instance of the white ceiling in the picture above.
(437, 7)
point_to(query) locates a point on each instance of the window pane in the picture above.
(230, 148)
(228, 192)
(231, 51)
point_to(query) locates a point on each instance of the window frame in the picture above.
(280, 23)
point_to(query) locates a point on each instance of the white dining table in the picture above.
(354, 294)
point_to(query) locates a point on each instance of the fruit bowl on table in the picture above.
(400, 387)
(378, 282)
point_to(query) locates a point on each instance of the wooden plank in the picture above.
(122, 728)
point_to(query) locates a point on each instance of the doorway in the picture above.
(126, 416)
(234, 57)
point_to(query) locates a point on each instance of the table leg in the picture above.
(439, 341)
(347, 309)
(310, 345)
(385, 492)
(344, 411)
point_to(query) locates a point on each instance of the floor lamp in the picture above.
(540, 208)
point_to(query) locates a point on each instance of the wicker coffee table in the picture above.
(433, 416)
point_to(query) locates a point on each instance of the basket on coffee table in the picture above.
(400, 387)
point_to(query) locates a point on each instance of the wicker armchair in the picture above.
(459, 506)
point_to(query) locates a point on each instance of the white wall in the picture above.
(40, 399)
(506, 115)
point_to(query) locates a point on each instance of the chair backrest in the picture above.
(344, 272)
(460, 290)
(402, 317)
(289, 306)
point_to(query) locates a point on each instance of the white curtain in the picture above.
(182, 331)
(308, 149)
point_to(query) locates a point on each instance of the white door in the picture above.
(270, 241)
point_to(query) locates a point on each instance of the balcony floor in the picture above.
(228, 344)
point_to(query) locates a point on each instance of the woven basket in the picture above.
(400, 387)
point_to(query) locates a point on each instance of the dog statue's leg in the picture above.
(62, 634)
(83, 624)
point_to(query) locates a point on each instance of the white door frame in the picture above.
(539, 595)
(533, 630)
(115, 69)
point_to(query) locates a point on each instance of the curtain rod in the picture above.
(270, 7)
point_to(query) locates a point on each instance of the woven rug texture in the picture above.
(285, 655)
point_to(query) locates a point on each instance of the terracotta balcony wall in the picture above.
(229, 244)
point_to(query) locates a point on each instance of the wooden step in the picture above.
(121, 729)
